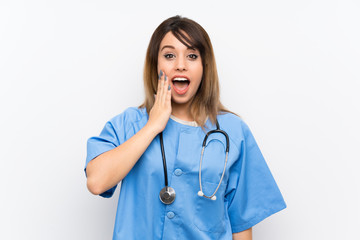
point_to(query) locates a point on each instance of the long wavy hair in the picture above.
(206, 102)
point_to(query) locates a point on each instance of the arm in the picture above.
(109, 168)
(244, 235)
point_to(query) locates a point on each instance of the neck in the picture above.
(181, 111)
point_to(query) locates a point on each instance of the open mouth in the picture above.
(181, 84)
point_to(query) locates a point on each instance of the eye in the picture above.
(169, 56)
(193, 56)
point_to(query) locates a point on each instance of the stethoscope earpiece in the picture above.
(201, 194)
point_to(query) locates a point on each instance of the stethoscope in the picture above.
(167, 194)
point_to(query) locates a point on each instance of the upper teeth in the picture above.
(180, 79)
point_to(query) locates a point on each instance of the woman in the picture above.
(206, 193)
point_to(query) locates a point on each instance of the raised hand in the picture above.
(161, 111)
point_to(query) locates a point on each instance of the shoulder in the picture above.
(129, 116)
(234, 125)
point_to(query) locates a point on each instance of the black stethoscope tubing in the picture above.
(163, 158)
(167, 194)
(217, 130)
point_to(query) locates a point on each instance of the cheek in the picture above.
(159, 64)
(164, 65)
(199, 72)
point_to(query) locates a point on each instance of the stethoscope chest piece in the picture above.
(167, 195)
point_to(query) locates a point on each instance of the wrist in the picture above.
(151, 129)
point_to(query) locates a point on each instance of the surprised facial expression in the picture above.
(182, 66)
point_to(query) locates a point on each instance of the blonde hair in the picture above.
(206, 102)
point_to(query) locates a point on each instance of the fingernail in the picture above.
(161, 73)
(169, 87)
(165, 77)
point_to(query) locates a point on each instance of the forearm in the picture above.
(109, 168)
(244, 235)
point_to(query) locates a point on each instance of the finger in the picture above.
(157, 91)
(165, 87)
(168, 95)
(160, 85)
(165, 84)
(168, 91)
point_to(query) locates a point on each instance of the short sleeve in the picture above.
(112, 135)
(252, 192)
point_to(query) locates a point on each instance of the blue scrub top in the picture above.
(247, 195)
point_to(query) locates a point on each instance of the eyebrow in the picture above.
(167, 46)
(172, 47)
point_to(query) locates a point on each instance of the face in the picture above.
(182, 66)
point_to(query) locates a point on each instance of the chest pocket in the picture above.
(210, 215)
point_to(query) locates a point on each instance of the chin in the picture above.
(180, 101)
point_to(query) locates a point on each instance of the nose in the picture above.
(181, 64)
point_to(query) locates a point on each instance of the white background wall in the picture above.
(289, 68)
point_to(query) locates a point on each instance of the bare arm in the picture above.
(244, 235)
(109, 168)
